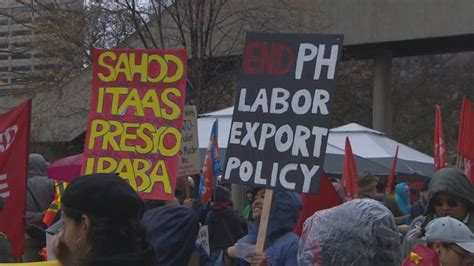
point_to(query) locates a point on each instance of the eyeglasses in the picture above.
(453, 203)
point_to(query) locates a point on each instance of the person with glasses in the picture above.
(449, 194)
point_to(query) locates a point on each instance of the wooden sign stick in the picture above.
(186, 187)
(262, 229)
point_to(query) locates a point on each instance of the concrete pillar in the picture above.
(382, 94)
(238, 193)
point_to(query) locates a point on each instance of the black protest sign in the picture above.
(282, 111)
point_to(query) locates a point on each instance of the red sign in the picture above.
(135, 118)
(14, 142)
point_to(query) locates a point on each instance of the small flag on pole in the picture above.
(349, 171)
(391, 177)
(211, 168)
(440, 156)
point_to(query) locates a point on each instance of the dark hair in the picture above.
(114, 210)
(110, 236)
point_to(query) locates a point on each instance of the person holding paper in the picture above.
(281, 244)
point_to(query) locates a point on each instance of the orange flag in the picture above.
(440, 156)
(349, 171)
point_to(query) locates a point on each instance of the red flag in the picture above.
(466, 130)
(14, 142)
(327, 198)
(469, 169)
(440, 156)
(388, 186)
(349, 171)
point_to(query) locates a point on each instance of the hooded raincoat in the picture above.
(172, 232)
(358, 232)
(448, 180)
(281, 244)
(40, 189)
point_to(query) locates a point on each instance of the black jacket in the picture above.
(224, 228)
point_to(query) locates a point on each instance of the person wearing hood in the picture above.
(281, 244)
(358, 232)
(449, 194)
(39, 195)
(403, 197)
(223, 223)
(172, 232)
(101, 215)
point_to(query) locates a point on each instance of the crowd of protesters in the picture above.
(105, 222)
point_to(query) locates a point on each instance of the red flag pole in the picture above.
(349, 171)
(388, 186)
(440, 157)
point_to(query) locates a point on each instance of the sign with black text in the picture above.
(282, 112)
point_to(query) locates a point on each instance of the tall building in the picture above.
(20, 61)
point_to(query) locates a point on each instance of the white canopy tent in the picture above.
(373, 151)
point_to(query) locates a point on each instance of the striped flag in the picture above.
(55, 206)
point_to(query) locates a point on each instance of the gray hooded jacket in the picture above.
(40, 189)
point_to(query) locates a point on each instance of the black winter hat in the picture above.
(221, 194)
(106, 195)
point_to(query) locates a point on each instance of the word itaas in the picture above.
(150, 67)
(245, 170)
(162, 105)
(140, 173)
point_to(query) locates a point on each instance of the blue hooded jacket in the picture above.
(402, 198)
(172, 232)
(281, 244)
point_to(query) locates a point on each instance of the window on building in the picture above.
(21, 56)
(21, 33)
(21, 68)
(3, 45)
(4, 34)
(3, 69)
(3, 22)
(3, 57)
(20, 44)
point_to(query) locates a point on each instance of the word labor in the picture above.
(140, 173)
(142, 138)
(284, 138)
(7, 137)
(279, 173)
(278, 59)
(150, 67)
(162, 104)
(301, 101)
